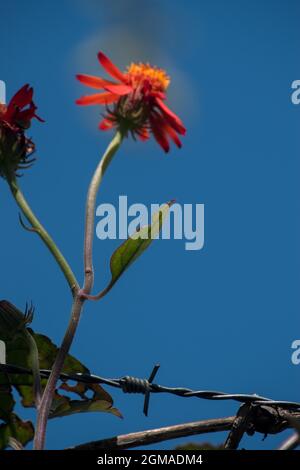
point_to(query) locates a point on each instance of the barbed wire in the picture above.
(146, 387)
(256, 413)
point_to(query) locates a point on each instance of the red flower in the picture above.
(16, 148)
(21, 109)
(138, 97)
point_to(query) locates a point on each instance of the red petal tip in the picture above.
(111, 68)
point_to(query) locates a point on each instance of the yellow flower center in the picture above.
(138, 73)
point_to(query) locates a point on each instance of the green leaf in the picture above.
(14, 329)
(22, 431)
(18, 354)
(12, 425)
(63, 406)
(100, 401)
(135, 245)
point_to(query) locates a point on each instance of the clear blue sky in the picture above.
(221, 318)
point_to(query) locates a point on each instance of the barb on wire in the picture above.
(133, 385)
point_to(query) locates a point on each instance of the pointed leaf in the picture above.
(135, 245)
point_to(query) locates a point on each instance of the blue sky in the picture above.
(221, 318)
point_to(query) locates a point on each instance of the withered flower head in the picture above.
(15, 148)
(138, 102)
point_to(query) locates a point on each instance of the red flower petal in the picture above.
(163, 124)
(106, 124)
(159, 94)
(15, 114)
(28, 114)
(172, 133)
(143, 134)
(172, 118)
(93, 82)
(159, 135)
(118, 89)
(23, 97)
(110, 68)
(98, 98)
(39, 118)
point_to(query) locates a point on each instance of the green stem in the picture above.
(79, 299)
(90, 209)
(43, 234)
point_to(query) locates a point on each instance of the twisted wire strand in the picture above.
(129, 384)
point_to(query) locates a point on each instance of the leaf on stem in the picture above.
(135, 245)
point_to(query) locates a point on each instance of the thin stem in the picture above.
(79, 298)
(45, 404)
(43, 234)
(90, 210)
(98, 296)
